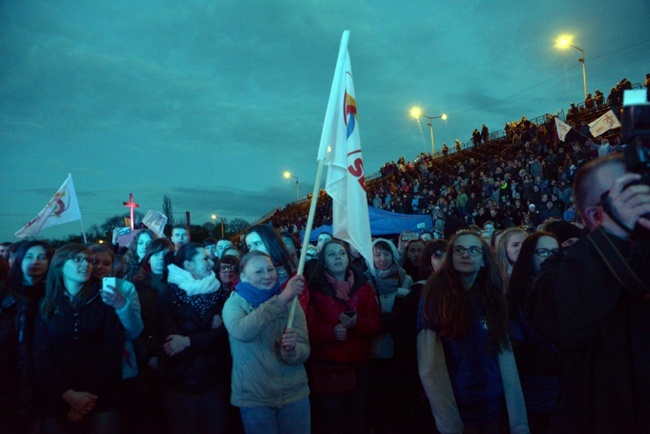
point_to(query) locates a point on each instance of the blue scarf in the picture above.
(254, 295)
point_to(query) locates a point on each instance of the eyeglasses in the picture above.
(226, 268)
(471, 251)
(545, 253)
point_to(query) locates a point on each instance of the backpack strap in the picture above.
(618, 265)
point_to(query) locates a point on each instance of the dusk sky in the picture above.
(209, 102)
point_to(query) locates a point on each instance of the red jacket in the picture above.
(324, 311)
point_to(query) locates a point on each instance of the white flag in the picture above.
(62, 208)
(606, 122)
(562, 128)
(155, 221)
(340, 147)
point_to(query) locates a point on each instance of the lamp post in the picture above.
(564, 42)
(223, 222)
(416, 112)
(288, 175)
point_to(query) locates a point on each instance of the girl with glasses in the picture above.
(464, 357)
(537, 358)
(78, 346)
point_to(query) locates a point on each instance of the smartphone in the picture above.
(349, 313)
(409, 236)
(109, 281)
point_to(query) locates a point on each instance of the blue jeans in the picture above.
(106, 422)
(294, 418)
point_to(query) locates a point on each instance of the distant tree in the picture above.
(168, 210)
(235, 226)
(199, 233)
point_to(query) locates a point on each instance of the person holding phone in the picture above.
(343, 319)
(78, 346)
(122, 296)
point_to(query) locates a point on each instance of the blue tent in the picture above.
(384, 223)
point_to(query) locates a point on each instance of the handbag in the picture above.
(332, 377)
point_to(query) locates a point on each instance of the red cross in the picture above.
(132, 205)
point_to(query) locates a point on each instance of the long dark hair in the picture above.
(447, 305)
(523, 273)
(54, 284)
(273, 241)
(187, 252)
(17, 275)
(131, 261)
(318, 274)
(157, 245)
(430, 249)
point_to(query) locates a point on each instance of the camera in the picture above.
(635, 133)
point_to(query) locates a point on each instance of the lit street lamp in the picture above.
(564, 42)
(416, 113)
(288, 175)
(223, 223)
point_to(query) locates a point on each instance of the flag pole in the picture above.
(305, 242)
(83, 231)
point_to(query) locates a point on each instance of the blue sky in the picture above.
(209, 102)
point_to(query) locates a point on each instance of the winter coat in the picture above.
(264, 374)
(80, 348)
(324, 312)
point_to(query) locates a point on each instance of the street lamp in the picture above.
(416, 112)
(223, 222)
(288, 175)
(564, 42)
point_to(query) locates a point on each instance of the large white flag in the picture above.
(562, 128)
(62, 208)
(606, 122)
(340, 147)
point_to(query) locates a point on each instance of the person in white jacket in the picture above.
(269, 381)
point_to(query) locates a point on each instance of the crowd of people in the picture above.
(526, 309)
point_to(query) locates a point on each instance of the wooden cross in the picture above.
(132, 205)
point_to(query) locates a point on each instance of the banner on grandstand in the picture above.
(340, 148)
(562, 128)
(62, 208)
(606, 122)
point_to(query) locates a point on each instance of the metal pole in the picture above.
(584, 73)
(297, 189)
(433, 148)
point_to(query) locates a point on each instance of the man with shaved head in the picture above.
(592, 300)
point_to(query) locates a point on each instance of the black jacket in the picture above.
(206, 363)
(602, 330)
(79, 348)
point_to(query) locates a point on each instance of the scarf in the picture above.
(342, 287)
(189, 284)
(256, 296)
(387, 274)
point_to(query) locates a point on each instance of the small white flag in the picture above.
(155, 221)
(562, 128)
(62, 208)
(606, 122)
